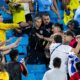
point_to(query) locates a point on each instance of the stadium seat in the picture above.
(37, 70)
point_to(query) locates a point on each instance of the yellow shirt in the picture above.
(72, 6)
(67, 18)
(19, 16)
(4, 27)
(4, 76)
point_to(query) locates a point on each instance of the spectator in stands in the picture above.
(56, 73)
(74, 27)
(27, 7)
(76, 75)
(7, 26)
(46, 6)
(15, 68)
(57, 28)
(4, 75)
(71, 39)
(61, 51)
(17, 11)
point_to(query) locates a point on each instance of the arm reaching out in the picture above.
(54, 7)
(13, 45)
(7, 26)
(49, 39)
(4, 42)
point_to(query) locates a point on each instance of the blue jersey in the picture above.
(43, 5)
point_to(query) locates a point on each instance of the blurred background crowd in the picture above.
(30, 34)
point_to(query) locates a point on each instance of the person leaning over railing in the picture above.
(7, 26)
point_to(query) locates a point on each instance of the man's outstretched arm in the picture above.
(7, 26)
(11, 46)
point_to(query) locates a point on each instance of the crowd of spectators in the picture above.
(38, 40)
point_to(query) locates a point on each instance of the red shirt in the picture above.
(75, 76)
(73, 43)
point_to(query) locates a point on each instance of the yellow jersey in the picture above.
(4, 75)
(4, 27)
(19, 16)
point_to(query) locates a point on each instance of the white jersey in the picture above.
(61, 52)
(54, 74)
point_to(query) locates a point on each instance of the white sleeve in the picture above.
(45, 77)
(68, 48)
